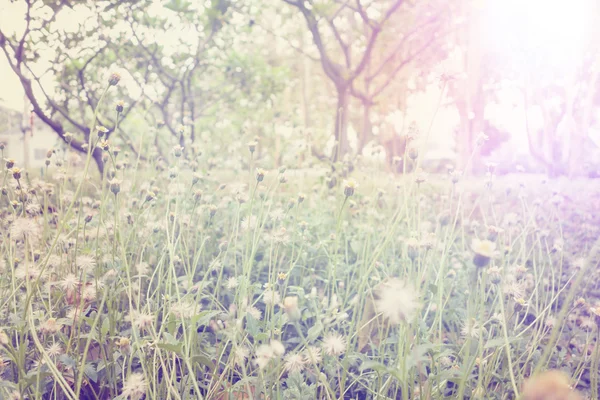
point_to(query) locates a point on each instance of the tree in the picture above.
(177, 80)
(343, 76)
(566, 110)
(61, 108)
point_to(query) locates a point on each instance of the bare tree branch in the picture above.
(373, 39)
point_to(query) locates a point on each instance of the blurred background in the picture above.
(315, 81)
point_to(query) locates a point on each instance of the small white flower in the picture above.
(312, 355)
(255, 312)
(135, 386)
(240, 355)
(264, 354)
(86, 263)
(271, 297)
(471, 329)
(185, 309)
(294, 362)
(142, 320)
(24, 228)
(485, 248)
(69, 282)
(334, 344)
(396, 301)
(232, 283)
(249, 223)
(278, 348)
(143, 268)
(55, 349)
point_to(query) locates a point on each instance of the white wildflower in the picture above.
(334, 344)
(396, 301)
(294, 362)
(135, 387)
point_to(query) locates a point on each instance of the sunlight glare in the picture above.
(555, 30)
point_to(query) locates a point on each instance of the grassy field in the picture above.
(189, 282)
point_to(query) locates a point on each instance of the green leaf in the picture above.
(373, 365)
(498, 342)
(172, 344)
(91, 372)
(203, 360)
(105, 327)
(170, 347)
(68, 361)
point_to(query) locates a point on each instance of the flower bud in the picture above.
(101, 131)
(290, 306)
(413, 153)
(16, 172)
(350, 186)
(114, 79)
(260, 174)
(115, 186)
(252, 146)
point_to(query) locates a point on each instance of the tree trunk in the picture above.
(463, 140)
(367, 128)
(341, 124)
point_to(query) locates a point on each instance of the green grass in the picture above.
(176, 286)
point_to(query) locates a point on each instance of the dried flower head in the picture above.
(240, 355)
(50, 326)
(294, 362)
(278, 348)
(264, 354)
(54, 350)
(549, 385)
(312, 355)
(334, 344)
(396, 301)
(135, 387)
(290, 306)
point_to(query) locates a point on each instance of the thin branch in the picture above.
(299, 50)
(374, 35)
(331, 69)
(19, 56)
(399, 67)
(363, 14)
(343, 45)
(399, 46)
(55, 107)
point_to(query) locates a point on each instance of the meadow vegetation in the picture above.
(169, 279)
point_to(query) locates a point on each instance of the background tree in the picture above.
(344, 74)
(184, 67)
